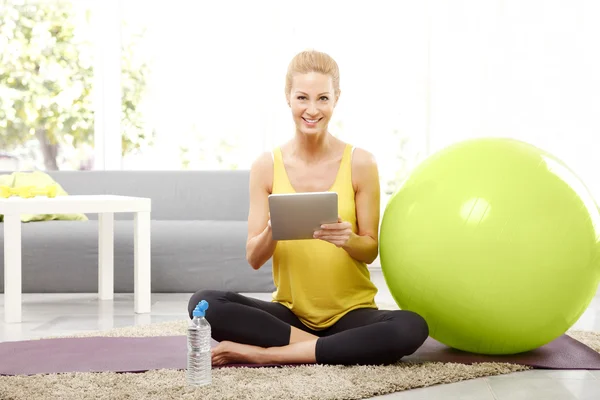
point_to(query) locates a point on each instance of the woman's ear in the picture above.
(337, 98)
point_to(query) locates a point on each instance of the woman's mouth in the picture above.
(311, 122)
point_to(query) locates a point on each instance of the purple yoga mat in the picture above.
(95, 354)
(562, 353)
(121, 354)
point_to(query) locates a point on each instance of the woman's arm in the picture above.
(363, 245)
(260, 245)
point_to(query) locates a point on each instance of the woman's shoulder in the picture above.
(261, 170)
(364, 167)
(362, 158)
(266, 159)
(263, 161)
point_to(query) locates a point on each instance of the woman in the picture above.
(323, 310)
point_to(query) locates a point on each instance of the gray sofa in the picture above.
(199, 228)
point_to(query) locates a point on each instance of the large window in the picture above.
(46, 74)
(206, 83)
(215, 79)
(132, 84)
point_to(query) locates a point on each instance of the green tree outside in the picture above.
(46, 79)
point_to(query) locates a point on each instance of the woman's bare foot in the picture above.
(235, 353)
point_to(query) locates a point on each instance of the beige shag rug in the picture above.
(289, 383)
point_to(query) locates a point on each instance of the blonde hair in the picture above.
(313, 61)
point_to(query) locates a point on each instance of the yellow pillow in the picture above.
(41, 180)
(5, 180)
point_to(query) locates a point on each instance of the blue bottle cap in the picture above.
(200, 309)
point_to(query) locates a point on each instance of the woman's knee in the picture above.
(419, 328)
(409, 332)
(211, 296)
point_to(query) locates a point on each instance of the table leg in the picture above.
(106, 256)
(12, 268)
(142, 254)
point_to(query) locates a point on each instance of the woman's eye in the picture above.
(324, 98)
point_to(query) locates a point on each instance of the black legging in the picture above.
(364, 336)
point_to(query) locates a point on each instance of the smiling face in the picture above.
(312, 99)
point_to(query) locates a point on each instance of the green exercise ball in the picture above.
(494, 242)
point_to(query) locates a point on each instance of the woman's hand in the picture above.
(337, 233)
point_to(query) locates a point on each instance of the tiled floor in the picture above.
(60, 314)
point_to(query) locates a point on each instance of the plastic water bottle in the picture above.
(199, 363)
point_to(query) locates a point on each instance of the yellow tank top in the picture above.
(316, 280)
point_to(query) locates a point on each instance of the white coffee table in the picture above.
(103, 205)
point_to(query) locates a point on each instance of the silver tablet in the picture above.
(296, 216)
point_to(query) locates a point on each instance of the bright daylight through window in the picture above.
(199, 85)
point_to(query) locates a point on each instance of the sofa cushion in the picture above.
(62, 257)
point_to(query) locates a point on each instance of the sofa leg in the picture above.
(106, 256)
(142, 253)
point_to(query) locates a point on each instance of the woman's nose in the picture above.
(312, 109)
